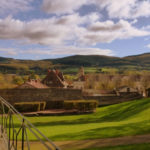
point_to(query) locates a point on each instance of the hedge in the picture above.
(54, 104)
(81, 105)
(30, 106)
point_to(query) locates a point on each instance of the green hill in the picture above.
(71, 64)
(8, 65)
(142, 59)
(90, 60)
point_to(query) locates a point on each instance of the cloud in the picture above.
(62, 6)
(14, 6)
(105, 26)
(108, 31)
(57, 50)
(69, 50)
(127, 9)
(43, 31)
(8, 51)
(148, 46)
(68, 29)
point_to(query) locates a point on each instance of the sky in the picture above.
(41, 29)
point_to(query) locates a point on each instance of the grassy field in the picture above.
(74, 70)
(130, 118)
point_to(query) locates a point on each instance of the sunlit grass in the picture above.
(130, 118)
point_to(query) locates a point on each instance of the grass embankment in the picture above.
(130, 118)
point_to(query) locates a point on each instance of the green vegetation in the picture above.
(70, 64)
(129, 118)
(139, 62)
(125, 147)
(30, 106)
(8, 81)
(74, 70)
(23, 67)
(12, 81)
(81, 105)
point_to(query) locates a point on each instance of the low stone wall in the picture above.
(109, 100)
(31, 95)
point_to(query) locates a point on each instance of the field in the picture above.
(125, 119)
(74, 70)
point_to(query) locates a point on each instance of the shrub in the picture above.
(81, 105)
(30, 106)
(54, 104)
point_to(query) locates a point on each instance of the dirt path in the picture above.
(76, 145)
(2, 145)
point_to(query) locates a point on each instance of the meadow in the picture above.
(130, 118)
(125, 119)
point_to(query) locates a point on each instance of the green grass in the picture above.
(125, 147)
(130, 118)
(74, 70)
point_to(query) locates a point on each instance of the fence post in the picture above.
(2, 119)
(23, 129)
(9, 132)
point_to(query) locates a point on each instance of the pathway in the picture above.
(83, 144)
(2, 145)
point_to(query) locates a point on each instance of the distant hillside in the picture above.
(90, 60)
(13, 66)
(72, 63)
(143, 59)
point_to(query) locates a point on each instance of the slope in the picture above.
(129, 118)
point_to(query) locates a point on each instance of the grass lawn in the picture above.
(130, 118)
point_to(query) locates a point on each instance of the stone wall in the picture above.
(60, 94)
(29, 95)
(109, 100)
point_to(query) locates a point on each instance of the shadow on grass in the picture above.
(114, 113)
(107, 132)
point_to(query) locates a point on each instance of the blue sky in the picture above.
(40, 29)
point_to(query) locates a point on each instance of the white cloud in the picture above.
(62, 6)
(69, 50)
(58, 50)
(127, 9)
(108, 31)
(68, 29)
(14, 6)
(148, 46)
(8, 51)
(43, 31)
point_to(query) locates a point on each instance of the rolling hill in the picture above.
(136, 62)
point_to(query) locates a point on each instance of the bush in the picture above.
(81, 105)
(30, 106)
(54, 104)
